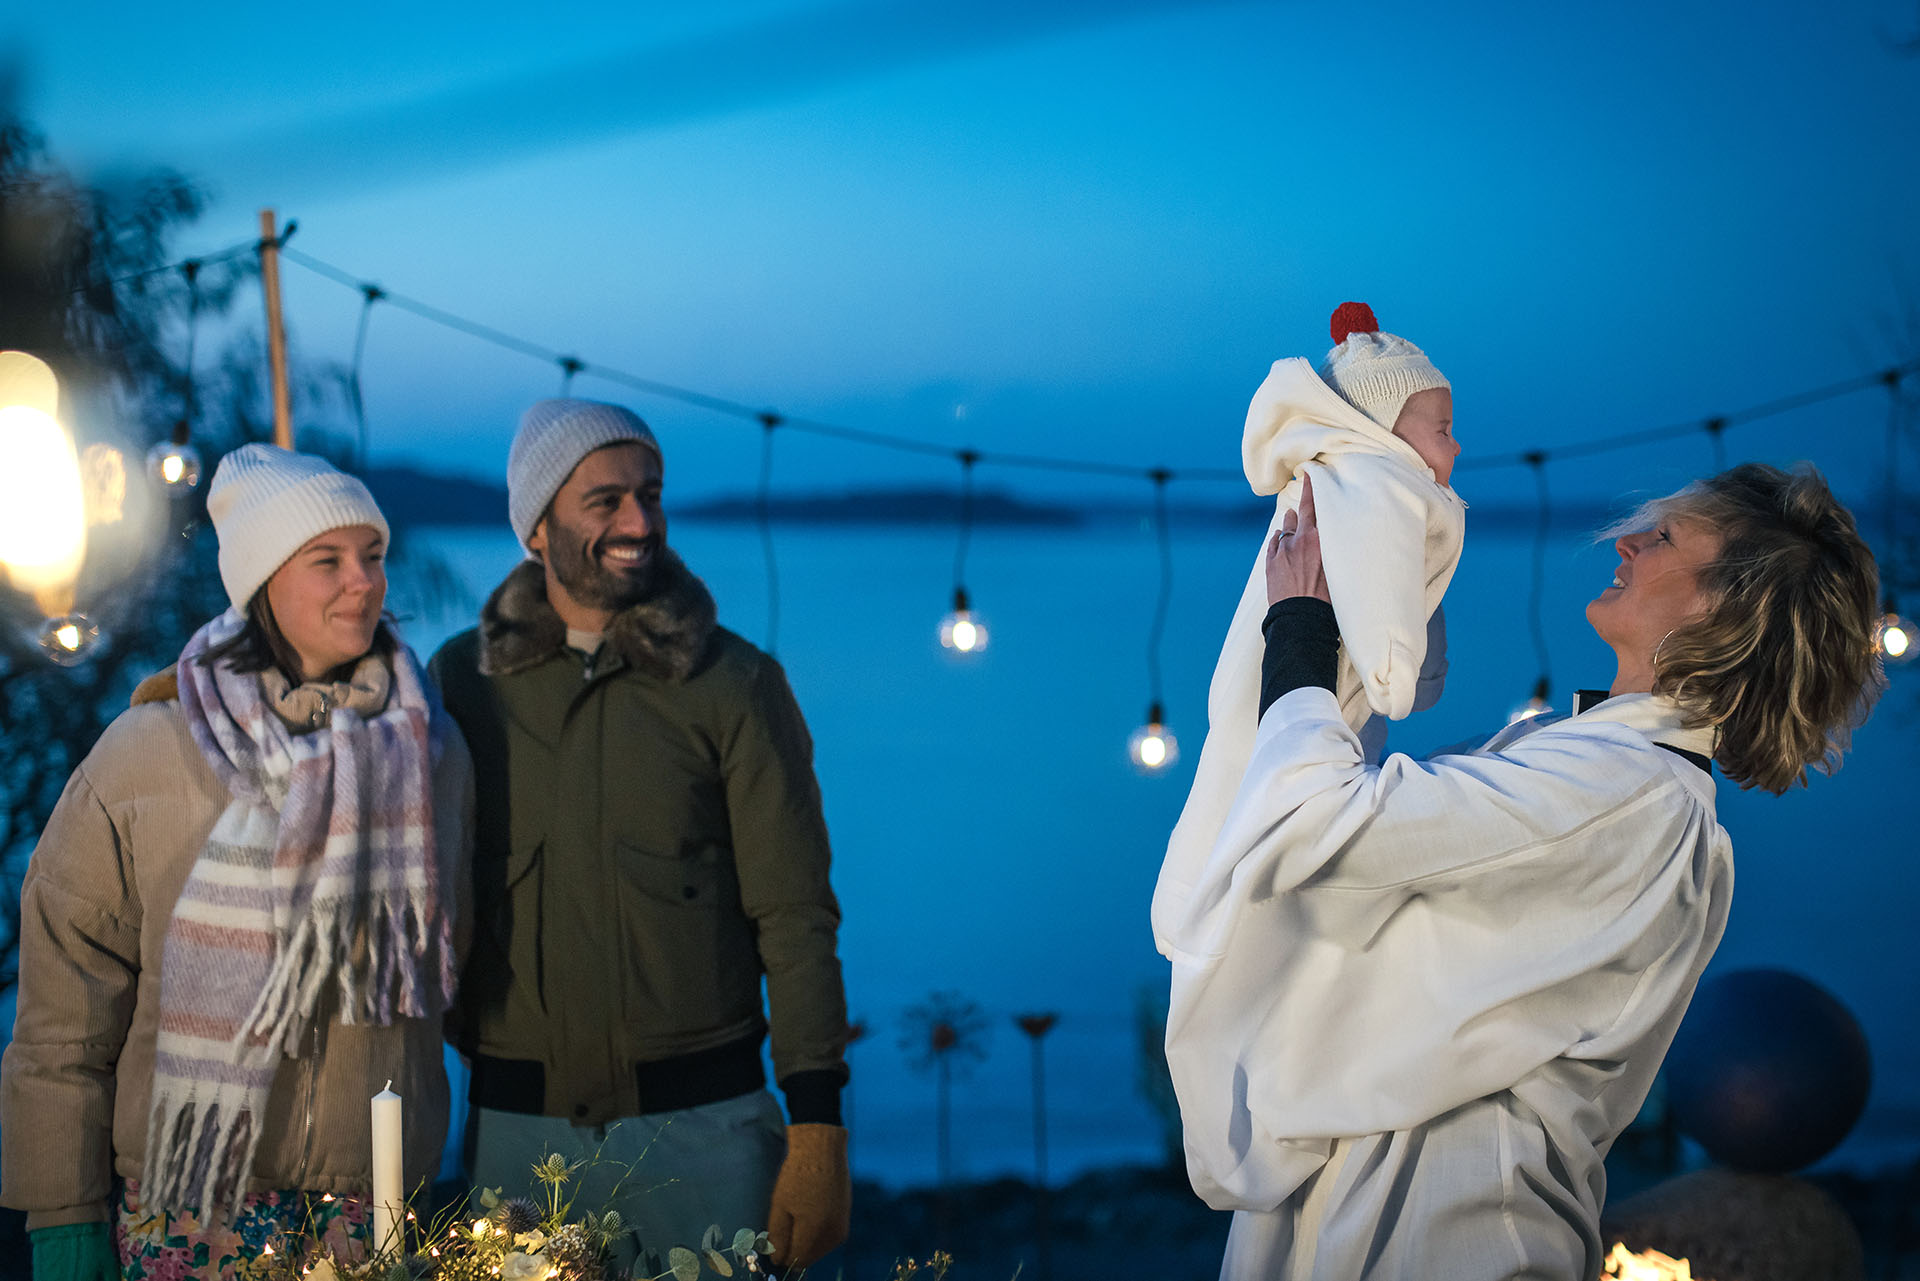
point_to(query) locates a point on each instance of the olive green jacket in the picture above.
(649, 843)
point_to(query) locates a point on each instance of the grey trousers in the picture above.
(671, 1175)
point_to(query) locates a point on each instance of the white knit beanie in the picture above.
(1375, 372)
(554, 436)
(266, 503)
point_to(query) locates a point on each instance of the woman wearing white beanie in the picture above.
(242, 919)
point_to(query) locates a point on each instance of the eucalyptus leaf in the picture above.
(743, 1240)
(711, 1237)
(684, 1263)
(763, 1243)
(718, 1262)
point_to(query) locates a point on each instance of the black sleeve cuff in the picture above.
(1303, 648)
(813, 1098)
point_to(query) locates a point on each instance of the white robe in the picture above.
(1413, 1005)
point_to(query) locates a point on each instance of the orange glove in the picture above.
(812, 1198)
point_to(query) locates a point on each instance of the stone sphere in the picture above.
(1769, 1071)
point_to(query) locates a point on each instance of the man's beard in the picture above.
(579, 570)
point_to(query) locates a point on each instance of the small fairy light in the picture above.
(1153, 747)
(963, 631)
(69, 639)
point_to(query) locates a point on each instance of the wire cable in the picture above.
(1160, 476)
(769, 422)
(967, 459)
(1537, 605)
(370, 294)
(191, 270)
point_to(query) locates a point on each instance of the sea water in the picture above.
(992, 840)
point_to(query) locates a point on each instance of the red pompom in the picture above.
(1353, 318)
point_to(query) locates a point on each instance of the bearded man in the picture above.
(650, 845)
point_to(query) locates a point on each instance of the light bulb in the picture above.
(175, 464)
(68, 640)
(1153, 747)
(963, 631)
(1893, 637)
(1533, 707)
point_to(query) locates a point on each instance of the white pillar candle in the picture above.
(389, 1201)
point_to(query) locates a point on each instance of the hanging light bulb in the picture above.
(1893, 636)
(69, 639)
(1535, 705)
(1153, 747)
(963, 631)
(174, 463)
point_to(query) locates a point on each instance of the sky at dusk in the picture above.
(1074, 228)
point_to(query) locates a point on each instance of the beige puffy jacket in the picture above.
(94, 908)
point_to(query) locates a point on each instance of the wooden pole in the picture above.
(276, 333)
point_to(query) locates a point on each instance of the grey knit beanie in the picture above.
(554, 436)
(1375, 371)
(266, 502)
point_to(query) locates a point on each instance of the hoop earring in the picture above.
(1656, 649)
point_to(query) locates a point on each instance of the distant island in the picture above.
(415, 496)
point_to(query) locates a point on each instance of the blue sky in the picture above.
(1073, 228)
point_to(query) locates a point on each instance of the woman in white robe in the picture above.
(1413, 1005)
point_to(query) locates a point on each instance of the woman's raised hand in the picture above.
(1293, 554)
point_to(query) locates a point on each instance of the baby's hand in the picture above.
(1293, 554)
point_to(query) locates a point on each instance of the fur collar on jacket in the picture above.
(665, 635)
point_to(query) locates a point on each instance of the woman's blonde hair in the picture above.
(1782, 662)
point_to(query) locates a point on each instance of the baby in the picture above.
(1373, 427)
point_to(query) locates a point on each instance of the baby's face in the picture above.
(1426, 423)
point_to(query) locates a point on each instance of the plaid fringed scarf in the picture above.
(327, 843)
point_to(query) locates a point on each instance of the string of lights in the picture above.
(962, 631)
(231, 252)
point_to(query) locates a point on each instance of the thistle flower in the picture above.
(571, 1246)
(517, 1215)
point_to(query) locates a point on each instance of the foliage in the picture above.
(485, 1237)
(80, 287)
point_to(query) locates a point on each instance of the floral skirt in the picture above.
(155, 1245)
